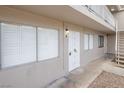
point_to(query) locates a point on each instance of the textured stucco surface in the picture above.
(42, 73)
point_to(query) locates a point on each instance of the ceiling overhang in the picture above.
(64, 13)
(116, 8)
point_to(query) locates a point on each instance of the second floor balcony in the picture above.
(102, 12)
(91, 16)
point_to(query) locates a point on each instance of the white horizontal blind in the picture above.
(86, 42)
(28, 44)
(9, 45)
(17, 45)
(47, 43)
(90, 41)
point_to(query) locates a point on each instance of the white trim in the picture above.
(36, 61)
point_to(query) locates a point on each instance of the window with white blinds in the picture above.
(22, 44)
(47, 43)
(28, 44)
(88, 41)
(18, 44)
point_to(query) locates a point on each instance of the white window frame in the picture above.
(41, 60)
(20, 44)
(101, 42)
(86, 41)
(54, 58)
(90, 41)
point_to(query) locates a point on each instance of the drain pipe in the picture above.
(116, 42)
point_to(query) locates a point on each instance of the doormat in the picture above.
(108, 80)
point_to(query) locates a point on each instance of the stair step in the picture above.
(120, 46)
(120, 49)
(120, 38)
(120, 65)
(121, 34)
(121, 54)
(120, 61)
(120, 43)
(120, 57)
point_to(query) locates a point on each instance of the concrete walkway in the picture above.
(82, 77)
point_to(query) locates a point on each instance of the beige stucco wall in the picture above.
(34, 74)
(42, 73)
(111, 38)
(89, 55)
(119, 16)
(119, 19)
(96, 52)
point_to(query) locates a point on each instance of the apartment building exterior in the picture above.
(40, 44)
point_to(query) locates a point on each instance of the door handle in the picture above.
(69, 53)
(75, 50)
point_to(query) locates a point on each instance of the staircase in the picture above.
(120, 49)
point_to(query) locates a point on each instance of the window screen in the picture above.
(86, 41)
(47, 43)
(28, 44)
(17, 44)
(100, 41)
(90, 41)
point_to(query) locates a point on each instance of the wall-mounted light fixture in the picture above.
(112, 9)
(66, 32)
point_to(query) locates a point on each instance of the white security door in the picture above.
(74, 50)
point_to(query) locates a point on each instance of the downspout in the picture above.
(116, 42)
